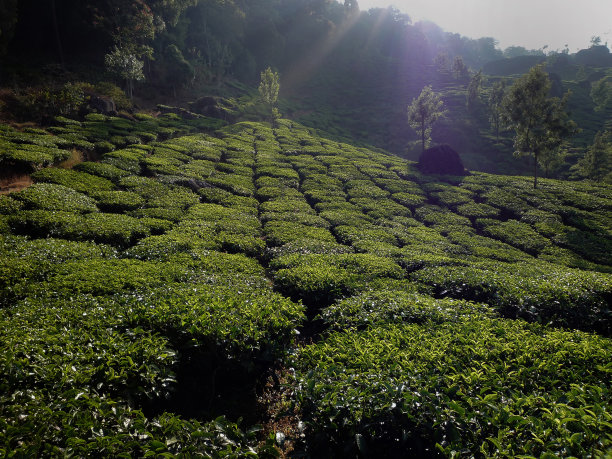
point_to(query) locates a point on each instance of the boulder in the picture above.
(442, 160)
(103, 104)
(211, 107)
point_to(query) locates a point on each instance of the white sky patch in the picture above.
(529, 23)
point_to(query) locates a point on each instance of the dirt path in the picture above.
(14, 182)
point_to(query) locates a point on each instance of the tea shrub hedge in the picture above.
(78, 181)
(67, 370)
(438, 311)
(542, 292)
(114, 229)
(469, 386)
(318, 279)
(49, 196)
(102, 169)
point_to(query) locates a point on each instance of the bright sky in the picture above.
(528, 23)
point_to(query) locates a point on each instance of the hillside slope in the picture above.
(349, 303)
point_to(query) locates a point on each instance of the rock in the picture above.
(202, 103)
(185, 114)
(104, 105)
(211, 107)
(443, 160)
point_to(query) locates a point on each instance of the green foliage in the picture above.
(49, 196)
(268, 89)
(542, 292)
(539, 121)
(45, 102)
(114, 229)
(383, 306)
(474, 90)
(409, 284)
(496, 97)
(253, 322)
(125, 64)
(471, 385)
(283, 232)
(423, 112)
(518, 234)
(118, 201)
(69, 394)
(322, 278)
(601, 93)
(78, 181)
(102, 169)
(597, 161)
(459, 69)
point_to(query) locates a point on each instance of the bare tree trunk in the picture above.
(423, 136)
(535, 170)
(58, 39)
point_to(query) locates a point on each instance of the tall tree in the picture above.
(496, 97)
(474, 90)
(597, 161)
(268, 90)
(601, 93)
(126, 65)
(8, 21)
(423, 112)
(442, 63)
(540, 122)
(459, 69)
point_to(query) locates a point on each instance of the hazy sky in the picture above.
(528, 23)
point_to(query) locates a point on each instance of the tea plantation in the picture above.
(265, 292)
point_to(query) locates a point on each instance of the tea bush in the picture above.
(470, 386)
(48, 196)
(130, 287)
(67, 395)
(118, 201)
(114, 229)
(318, 279)
(542, 292)
(102, 169)
(513, 232)
(382, 306)
(257, 321)
(78, 181)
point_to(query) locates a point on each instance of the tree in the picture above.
(8, 21)
(423, 112)
(442, 63)
(553, 159)
(126, 65)
(601, 93)
(459, 69)
(268, 90)
(496, 98)
(473, 91)
(597, 161)
(178, 70)
(540, 122)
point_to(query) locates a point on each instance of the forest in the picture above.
(220, 235)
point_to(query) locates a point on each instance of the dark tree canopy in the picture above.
(540, 122)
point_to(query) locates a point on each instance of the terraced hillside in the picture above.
(168, 299)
